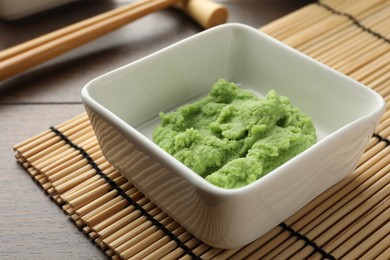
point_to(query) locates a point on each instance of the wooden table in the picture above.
(31, 226)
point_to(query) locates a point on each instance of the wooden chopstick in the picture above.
(74, 36)
(66, 30)
(34, 52)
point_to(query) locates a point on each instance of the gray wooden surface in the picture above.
(32, 226)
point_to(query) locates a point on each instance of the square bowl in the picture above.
(124, 104)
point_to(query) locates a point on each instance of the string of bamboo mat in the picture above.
(350, 220)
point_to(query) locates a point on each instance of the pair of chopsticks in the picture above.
(34, 52)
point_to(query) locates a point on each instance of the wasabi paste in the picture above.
(232, 137)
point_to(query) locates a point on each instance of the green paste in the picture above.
(232, 137)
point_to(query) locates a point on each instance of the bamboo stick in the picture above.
(387, 99)
(61, 146)
(378, 251)
(178, 252)
(121, 218)
(98, 206)
(32, 155)
(62, 150)
(199, 250)
(80, 173)
(381, 84)
(48, 134)
(90, 195)
(382, 209)
(122, 239)
(346, 201)
(377, 18)
(375, 64)
(135, 251)
(71, 163)
(373, 141)
(113, 241)
(110, 208)
(372, 73)
(87, 143)
(370, 153)
(86, 185)
(64, 185)
(164, 246)
(211, 253)
(329, 39)
(332, 192)
(47, 186)
(96, 203)
(350, 56)
(113, 229)
(386, 132)
(111, 253)
(70, 168)
(33, 141)
(228, 253)
(304, 224)
(314, 30)
(364, 59)
(326, 231)
(79, 223)
(84, 199)
(369, 241)
(122, 215)
(345, 42)
(273, 247)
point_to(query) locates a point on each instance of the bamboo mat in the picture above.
(350, 220)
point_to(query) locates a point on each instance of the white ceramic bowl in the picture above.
(123, 106)
(15, 9)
